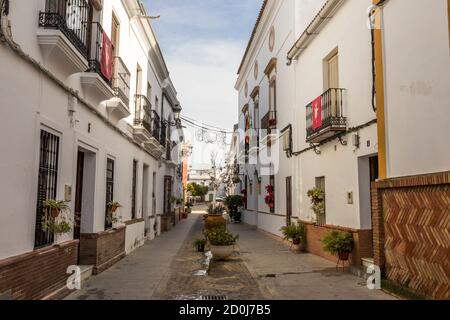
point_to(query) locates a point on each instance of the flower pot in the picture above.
(222, 252)
(54, 212)
(343, 256)
(113, 209)
(296, 242)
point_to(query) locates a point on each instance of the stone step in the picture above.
(86, 272)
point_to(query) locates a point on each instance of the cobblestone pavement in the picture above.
(225, 278)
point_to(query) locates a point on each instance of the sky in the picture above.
(203, 42)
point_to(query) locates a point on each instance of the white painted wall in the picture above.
(347, 31)
(30, 101)
(297, 86)
(417, 86)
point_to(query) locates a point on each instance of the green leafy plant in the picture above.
(221, 237)
(295, 232)
(234, 201)
(112, 218)
(56, 204)
(215, 210)
(199, 242)
(337, 242)
(56, 226)
(317, 197)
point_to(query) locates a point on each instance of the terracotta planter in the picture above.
(214, 221)
(113, 209)
(54, 212)
(343, 256)
(296, 242)
(222, 252)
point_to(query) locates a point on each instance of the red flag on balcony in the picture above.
(107, 61)
(317, 113)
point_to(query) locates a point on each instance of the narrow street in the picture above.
(261, 268)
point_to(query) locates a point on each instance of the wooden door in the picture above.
(288, 200)
(78, 196)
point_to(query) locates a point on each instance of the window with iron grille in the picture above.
(47, 183)
(109, 189)
(320, 184)
(133, 193)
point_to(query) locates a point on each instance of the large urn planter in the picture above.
(222, 252)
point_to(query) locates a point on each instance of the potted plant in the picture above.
(200, 245)
(221, 242)
(233, 202)
(113, 206)
(339, 243)
(214, 218)
(317, 197)
(55, 207)
(58, 226)
(296, 233)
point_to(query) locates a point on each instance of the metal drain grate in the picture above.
(213, 298)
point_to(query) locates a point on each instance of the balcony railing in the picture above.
(328, 118)
(163, 134)
(156, 125)
(96, 50)
(121, 81)
(269, 121)
(143, 113)
(71, 17)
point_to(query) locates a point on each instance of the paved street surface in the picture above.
(283, 274)
(262, 268)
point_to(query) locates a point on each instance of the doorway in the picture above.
(167, 194)
(145, 211)
(367, 173)
(84, 193)
(78, 196)
(288, 200)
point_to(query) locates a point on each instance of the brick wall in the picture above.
(411, 220)
(362, 238)
(38, 274)
(102, 249)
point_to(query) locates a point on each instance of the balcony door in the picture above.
(115, 35)
(333, 81)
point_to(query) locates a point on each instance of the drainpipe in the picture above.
(313, 29)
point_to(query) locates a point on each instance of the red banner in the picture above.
(107, 59)
(317, 113)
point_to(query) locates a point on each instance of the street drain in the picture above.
(213, 298)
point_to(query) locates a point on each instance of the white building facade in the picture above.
(90, 117)
(314, 58)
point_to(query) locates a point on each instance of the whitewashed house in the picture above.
(306, 56)
(90, 116)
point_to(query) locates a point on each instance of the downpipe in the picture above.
(5, 26)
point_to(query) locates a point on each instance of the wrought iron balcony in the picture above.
(143, 113)
(269, 121)
(156, 125)
(121, 81)
(163, 139)
(71, 17)
(325, 117)
(96, 53)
